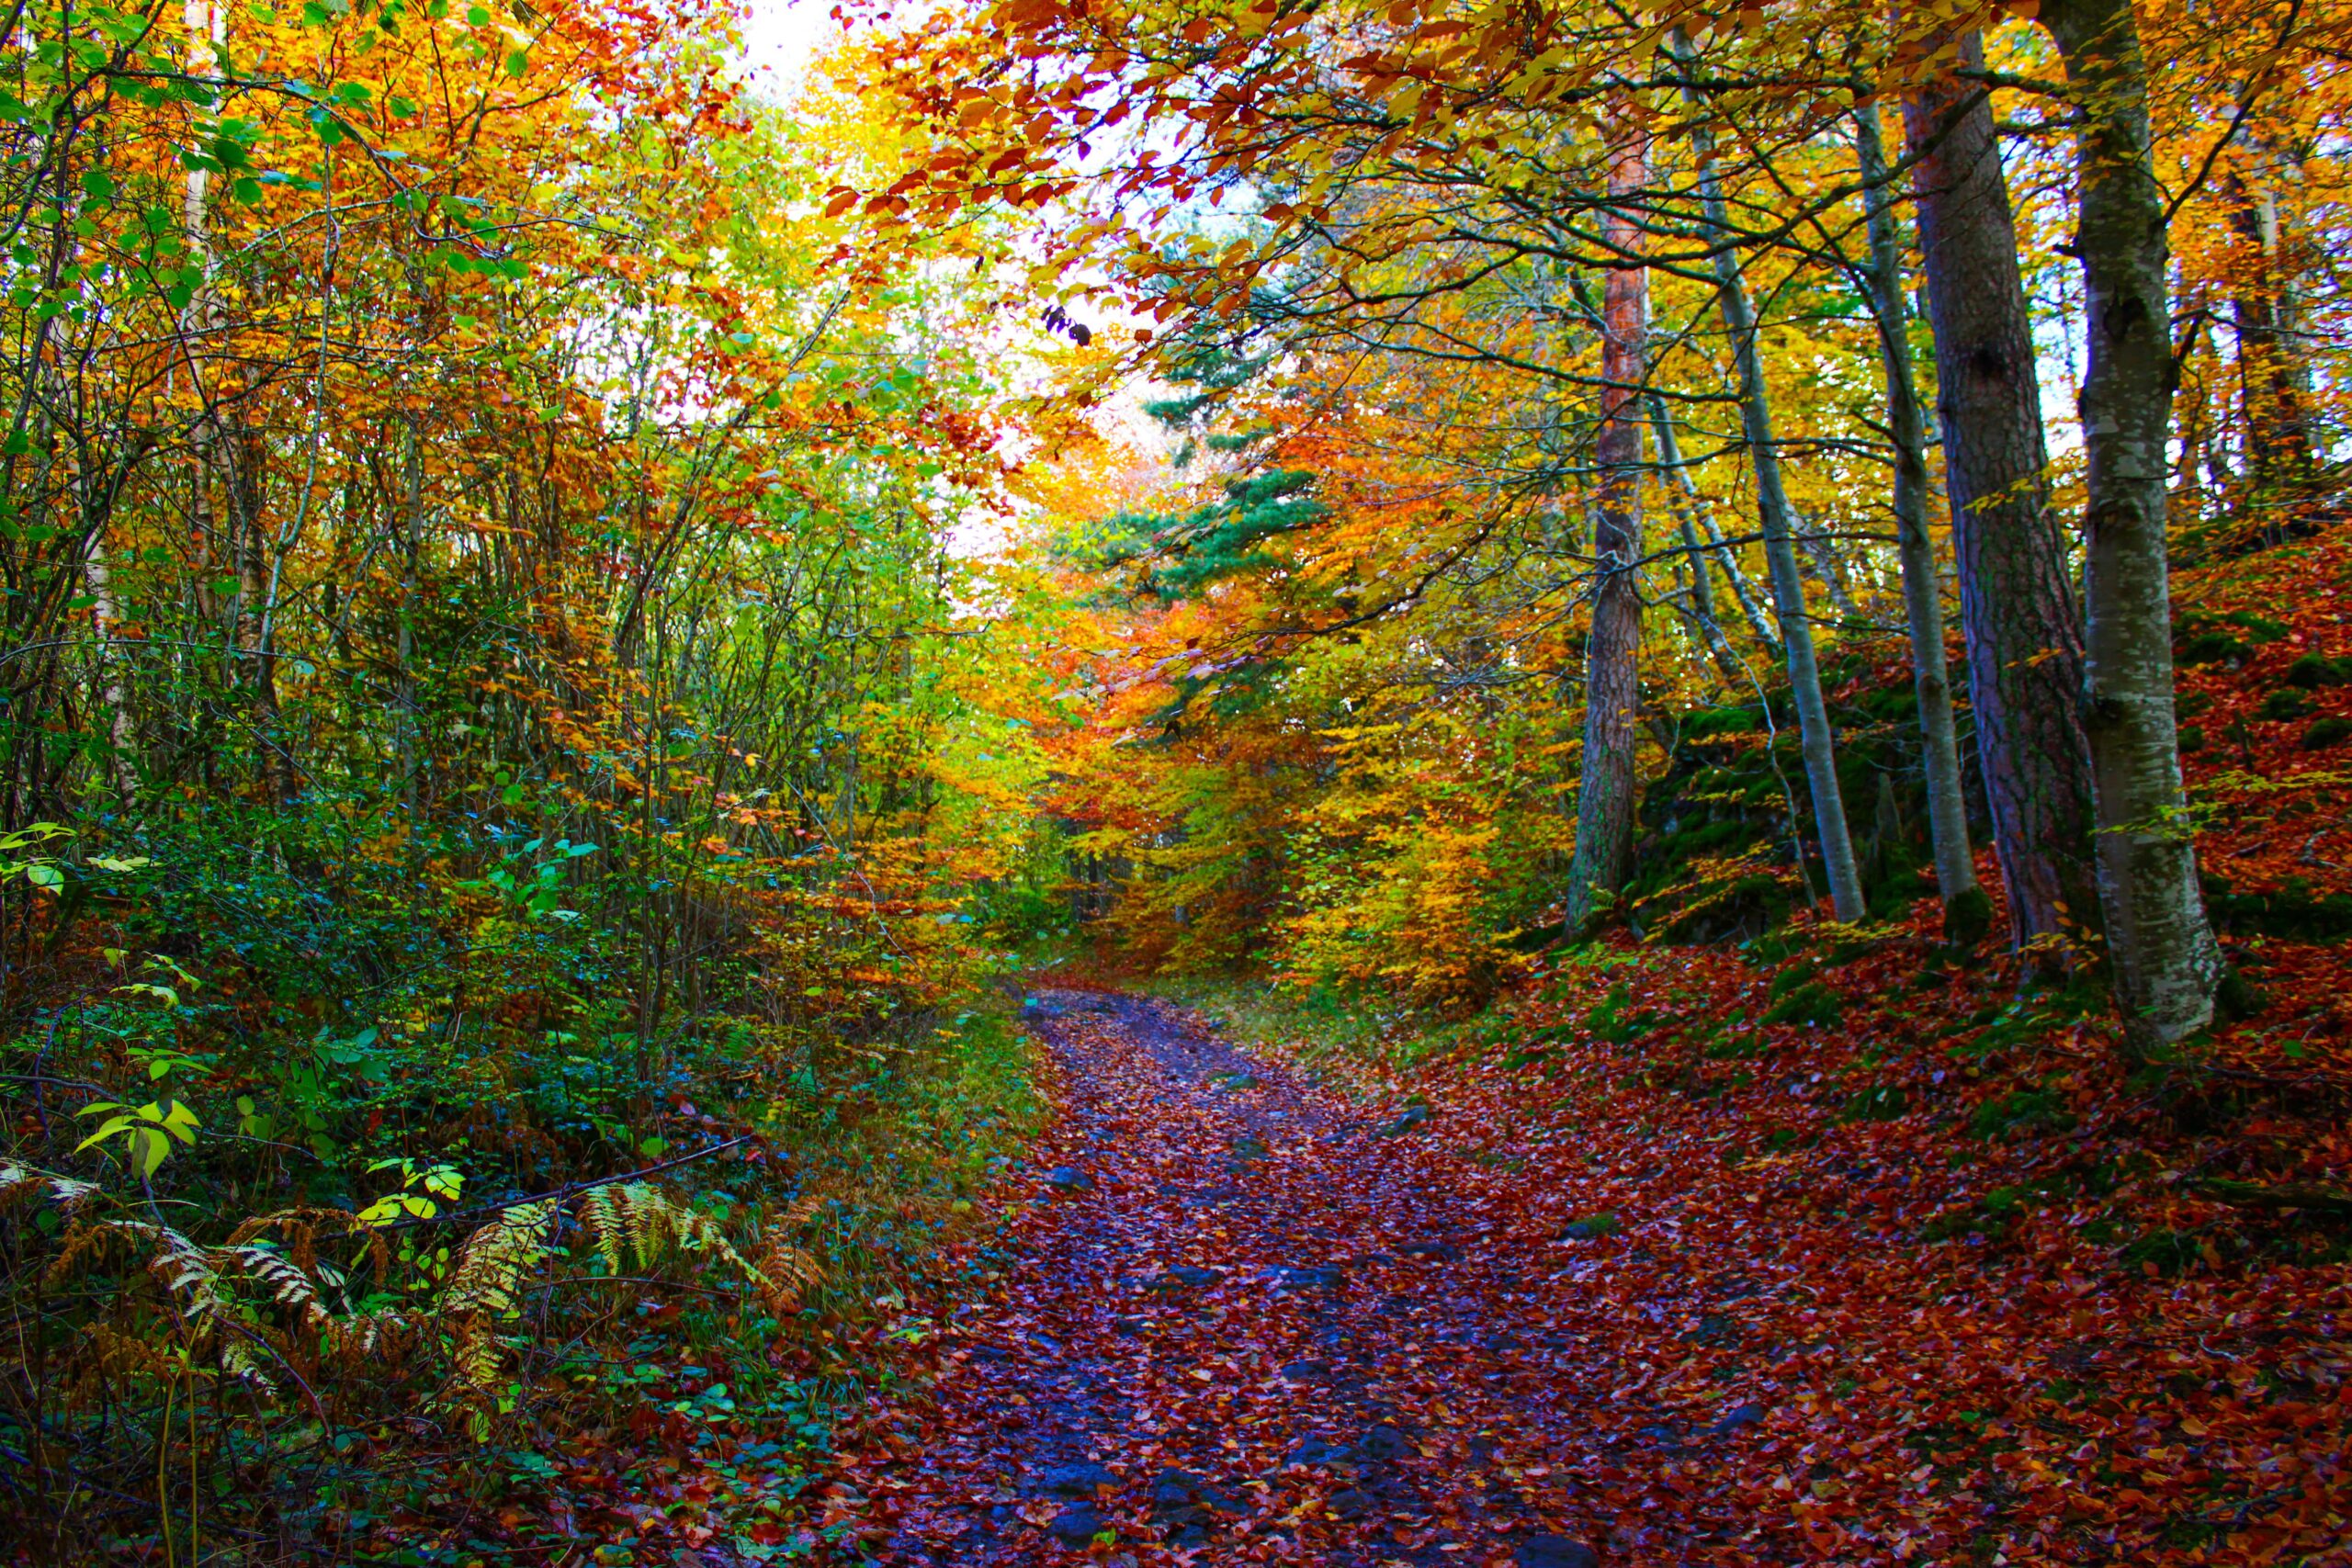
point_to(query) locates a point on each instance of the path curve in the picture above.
(1240, 1325)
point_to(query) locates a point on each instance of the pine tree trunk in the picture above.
(1604, 842)
(1816, 740)
(2024, 645)
(1966, 910)
(2166, 962)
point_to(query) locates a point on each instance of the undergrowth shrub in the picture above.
(339, 1172)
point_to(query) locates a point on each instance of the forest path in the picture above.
(1242, 1322)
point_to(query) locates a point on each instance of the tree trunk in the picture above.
(1691, 513)
(1604, 842)
(1702, 591)
(1966, 910)
(2166, 962)
(114, 664)
(205, 32)
(1816, 741)
(2024, 646)
(2278, 430)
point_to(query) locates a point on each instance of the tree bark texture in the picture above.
(1604, 842)
(1963, 900)
(2024, 629)
(2167, 965)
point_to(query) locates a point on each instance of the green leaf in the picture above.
(106, 1130)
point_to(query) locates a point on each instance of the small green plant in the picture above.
(436, 1182)
(145, 1131)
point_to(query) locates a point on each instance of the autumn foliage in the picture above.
(1722, 636)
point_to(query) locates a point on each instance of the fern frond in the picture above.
(495, 1256)
(603, 1223)
(803, 1208)
(22, 1183)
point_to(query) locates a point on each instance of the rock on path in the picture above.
(1243, 1322)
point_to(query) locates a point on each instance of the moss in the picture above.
(2326, 732)
(1812, 1004)
(2283, 704)
(2314, 671)
(2164, 1252)
(1879, 1102)
(2214, 648)
(1968, 918)
(2026, 1112)
(1709, 722)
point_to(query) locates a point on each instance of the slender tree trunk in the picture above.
(1691, 515)
(205, 30)
(1816, 740)
(2278, 430)
(123, 731)
(1604, 842)
(1966, 910)
(2166, 960)
(2024, 645)
(411, 541)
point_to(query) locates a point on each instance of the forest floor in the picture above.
(1253, 1323)
(1538, 1313)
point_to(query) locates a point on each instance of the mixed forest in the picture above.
(1356, 782)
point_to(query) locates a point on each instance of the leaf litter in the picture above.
(1567, 1313)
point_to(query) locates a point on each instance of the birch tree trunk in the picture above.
(2025, 640)
(2167, 965)
(1604, 841)
(206, 31)
(1966, 910)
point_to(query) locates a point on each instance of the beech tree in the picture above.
(1966, 910)
(2166, 964)
(2024, 628)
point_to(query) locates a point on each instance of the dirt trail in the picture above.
(1245, 1322)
